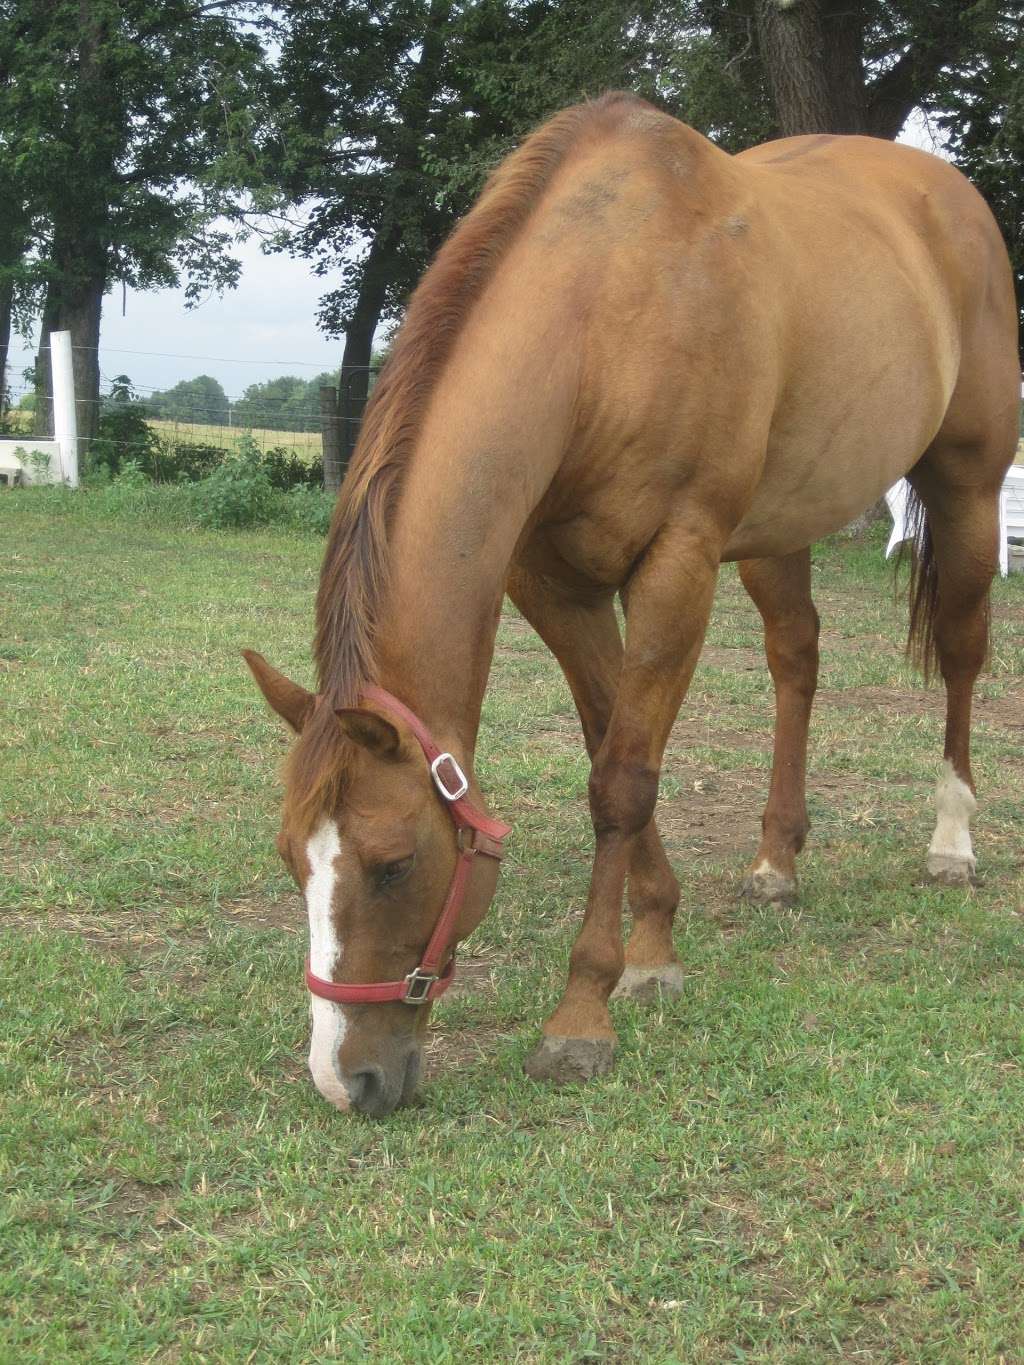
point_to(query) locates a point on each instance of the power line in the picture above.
(219, 359)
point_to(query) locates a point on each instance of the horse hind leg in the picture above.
(955, 564)
(781, 591)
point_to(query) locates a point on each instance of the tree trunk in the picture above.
(13, 244)
(42, 422)
(6, 308)
(378, 269)
(878, 511)
(74, 306)
(813, 54)
(358, 352)
(330, 437)
(811, 51)
(79, 254)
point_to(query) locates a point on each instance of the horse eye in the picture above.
(390, 873)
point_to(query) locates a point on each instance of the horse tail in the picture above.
(923, 588)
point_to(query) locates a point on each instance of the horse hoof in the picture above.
(944, 870)
(765, 886)
(646, 984)
(566, 1060)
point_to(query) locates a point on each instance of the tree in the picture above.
(201, 400)
(287, 403)
(983, 127)
(391, 113)
(124, 134)
(863, 66)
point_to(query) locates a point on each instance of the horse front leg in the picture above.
(781, 591)
(670, 598)
(582, 633)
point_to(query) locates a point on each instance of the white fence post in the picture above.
(65, 420)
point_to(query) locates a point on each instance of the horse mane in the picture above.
(355, 569)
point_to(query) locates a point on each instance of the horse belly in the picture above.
(807, 494)
(842, 436)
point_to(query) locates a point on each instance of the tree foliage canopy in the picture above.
(391, 114)
(134, 136)
(125, 136)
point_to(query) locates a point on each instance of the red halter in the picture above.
(475, 832)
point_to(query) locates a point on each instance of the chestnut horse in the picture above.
(635, 358)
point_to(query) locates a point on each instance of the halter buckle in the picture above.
(418, 984)
(461, 784)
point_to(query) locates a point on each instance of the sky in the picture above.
(264, 328)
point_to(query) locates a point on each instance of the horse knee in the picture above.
(622, 795)
(791, 647)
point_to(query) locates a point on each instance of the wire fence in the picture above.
(201, 428)
(186, 434)
(281, 425)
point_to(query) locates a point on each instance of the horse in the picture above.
(635, 358)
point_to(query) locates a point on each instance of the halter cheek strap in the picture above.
(476, 833)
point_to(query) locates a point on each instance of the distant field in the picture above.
(305, 443)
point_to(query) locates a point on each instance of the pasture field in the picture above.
(306, 444)
(816, 1154)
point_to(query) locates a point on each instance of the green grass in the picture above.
(815, 1155)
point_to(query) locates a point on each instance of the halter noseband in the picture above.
(475, 833)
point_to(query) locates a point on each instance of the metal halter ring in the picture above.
(448, 793)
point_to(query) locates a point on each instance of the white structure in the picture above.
(23, 459)
(26, 460)
(1011, 514)
(65, 421)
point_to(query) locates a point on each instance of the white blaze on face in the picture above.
(955, 804)
(325, 950)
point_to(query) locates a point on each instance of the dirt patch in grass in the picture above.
(738, 657)
(475, 976)
(122, 936)
(1007, 711)
(894, 701)
(717, 814)
(462, 1050)
(459, 1049)
(287, 914)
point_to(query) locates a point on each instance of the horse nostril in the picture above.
(366, 1089)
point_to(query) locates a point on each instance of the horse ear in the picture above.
(291, 702)
(370, 732)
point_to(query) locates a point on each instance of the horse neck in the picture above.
(491, 439)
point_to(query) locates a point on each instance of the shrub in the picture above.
(184, 462)
(238, 492)
(286, 471)
(132, 476)
(131, 496)
(123, 434)
(310, 509)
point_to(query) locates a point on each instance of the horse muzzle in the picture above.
(375, 1088)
